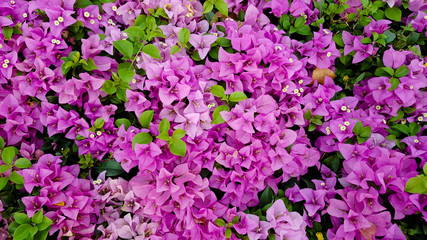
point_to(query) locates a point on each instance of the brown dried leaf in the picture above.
(320, 74)
(368, 232)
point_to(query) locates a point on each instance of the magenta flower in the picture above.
(393, 58)
(59, 19)
(202, 43)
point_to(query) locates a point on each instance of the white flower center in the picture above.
(87, 14)
(56, 23)
(60, 19)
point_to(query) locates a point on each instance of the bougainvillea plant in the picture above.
(215, 119)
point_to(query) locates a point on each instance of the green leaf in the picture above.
(1, 143)
(90, 65)
(394, 83)
(121, 94)
(22, 232)
(417, 185)
(390, 36)
(125, 47)
(119, 122)
(99, 123)
(358, 127)
(311, 127)
(141, 138)
(425, 168)
(224, 42)
(228, 233)
(401, 71)
(3, 182)
(285, 21)
(177, 147)
(384, 72)
(33, 230)
(332, 162)
(220, 222)
(402, 128)
(299, 22)
(308, 115)
(41, 235)
(22, 163)
(184, 35)
(141, 21)
(409, 110)
(235, 220)
(216, 116)
(413, 38)
(16, 178)
(365, 20)
(164, 125)
(414, 128)
(21, 218)
(338, 39)
(8, 154)
(7, 32)
(164, 136)
(415, 50)
(266, 197)
(378, 15)
(366, 40)
(400, 115)
(394, 14)
(218, 91)
(37, 217)
(112, 167)
(152, 50)
(146, 118)
(126, 71)
(178, 133)
(366, 132)
(4, 168)
(108, 87)
(195, 56)
(237, 97)
(207, 7)
(135, 31)
(365, 3)
(175, 49)
(304, 30)
(222, 7)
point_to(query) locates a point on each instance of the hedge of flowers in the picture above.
(216, 119)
